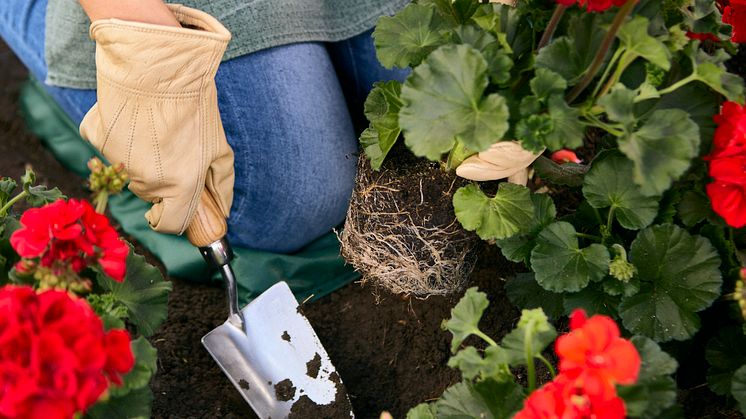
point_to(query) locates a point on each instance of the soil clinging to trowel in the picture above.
(286, 336)
(285, 390)
(243, 384)
(313, 366)
(339, 408)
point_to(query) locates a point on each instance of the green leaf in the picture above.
(568, 174)
(443, 100)
(488, 399)
(144, 292)
(465, 316)
(371, 147)
(509, 212)
(655, 390)
(709, 69)
(661, 150)
(568, 131)
(134, 405)
(525, 292)
(382, 110)
(474, 36)
(569, 56)
(7, 186)
(532, 132)
(679, 275)
(146, 365)
(533, 334)
(724, 359)
(560, 264)
(38, 195)
(693, 208)
(422, 411)
(738, 388)
(594, 300)
(619, 105)
(499, 63)
(518, 247)
(547, 83)
(473, 365)
(406, 38)
(634, 37)
(607, 185)
(28, 179)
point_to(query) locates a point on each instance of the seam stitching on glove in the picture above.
(156, 147)
(111, 127)
(131, 139)
(162, 95)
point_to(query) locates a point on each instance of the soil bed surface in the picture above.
(389, 351)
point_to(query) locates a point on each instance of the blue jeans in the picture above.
(285, 113)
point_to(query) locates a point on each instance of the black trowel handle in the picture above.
(207, 232)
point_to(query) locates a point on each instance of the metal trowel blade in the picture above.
(279, 361)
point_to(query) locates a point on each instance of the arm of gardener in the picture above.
(146, 11)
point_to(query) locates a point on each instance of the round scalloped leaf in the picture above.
(738, 389)
(561, 265)
(679, 276)
(443, 99)
(608, 184)
(509, 212)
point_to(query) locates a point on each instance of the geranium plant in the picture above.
(77, 305)
(643, 221)
(599, 374)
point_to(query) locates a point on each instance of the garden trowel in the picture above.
(268, 349)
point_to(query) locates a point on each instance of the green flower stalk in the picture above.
(620, 268)
(105, 181)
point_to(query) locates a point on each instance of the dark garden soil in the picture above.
(389, 350)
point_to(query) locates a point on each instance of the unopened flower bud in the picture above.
(619, 267)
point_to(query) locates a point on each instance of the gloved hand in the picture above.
(504, 159)
(157, 112)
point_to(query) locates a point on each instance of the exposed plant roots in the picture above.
(401, 232)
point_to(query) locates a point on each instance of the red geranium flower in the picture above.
(728, 165)
(728, 192)
(70, 234)
(595, 356)
(730, 136)
(702, 36)
(734, 14)
(55, 357)
(562, 398)
(593, 5)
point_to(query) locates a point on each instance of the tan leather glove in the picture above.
(504, 159)
(157, 112)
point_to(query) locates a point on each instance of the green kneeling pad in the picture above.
(314, 271)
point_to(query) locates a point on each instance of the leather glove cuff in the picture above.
(131, 54)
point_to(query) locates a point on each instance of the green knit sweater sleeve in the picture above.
(255, 25)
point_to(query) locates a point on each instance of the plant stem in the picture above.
(610, 219)
(588, 236)
(548, 364)
(624, 62)
(690, 78)
(552, 26)
(612, 61)
(6, 207)
(606, 127)
(486, 338)
(101, 200)
(529, 352)
(598, 61)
